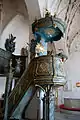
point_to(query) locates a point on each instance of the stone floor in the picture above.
(66, 116)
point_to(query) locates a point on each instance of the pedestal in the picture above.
(48, 106)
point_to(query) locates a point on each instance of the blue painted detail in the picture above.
(49, 34)
(49, 28)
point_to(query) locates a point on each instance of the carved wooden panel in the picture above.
(44, 66)
(19, 63)
(44, 71)
(4, 61)
(40, 71)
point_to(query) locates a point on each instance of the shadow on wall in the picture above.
(73, 75)
(19, 27)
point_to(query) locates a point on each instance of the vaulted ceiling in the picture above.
(10, 8)
(67, 10)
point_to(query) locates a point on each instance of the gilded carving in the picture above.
(42, 68)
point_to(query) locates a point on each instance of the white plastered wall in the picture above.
(19, 27)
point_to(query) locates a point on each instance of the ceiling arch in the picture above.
(33, 10)
(68, 11)
(19, 28)
(10, 9)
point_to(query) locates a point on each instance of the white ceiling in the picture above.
(67, 10)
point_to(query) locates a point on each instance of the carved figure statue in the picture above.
(32, 46)
(18, 65)
(10, 44)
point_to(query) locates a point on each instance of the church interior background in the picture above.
(39, 59)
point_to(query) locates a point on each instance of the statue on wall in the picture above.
(17, 67)
(32, 46)
(10, 44)
(24, 51)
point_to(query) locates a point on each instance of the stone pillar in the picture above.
(51, 105)
(44, 108)
(38, 105)
(48, 106)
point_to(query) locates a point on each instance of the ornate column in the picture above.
(48, 106)
(38, 105)
(51, 105)
(44, 108)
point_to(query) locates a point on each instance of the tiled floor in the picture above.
(66, 116)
